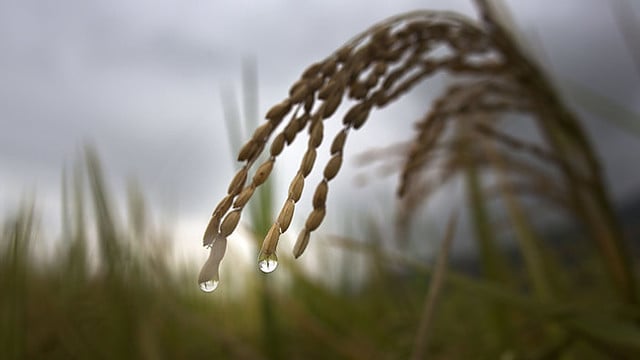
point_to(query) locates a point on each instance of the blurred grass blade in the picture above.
(627, 22)
(526, 235)
(250, 94)
(107, 234)
(492, 260)
(433, 294)
(603, 329)
(607, 331)
(137, 209)
(493, 263)
(232, 119)
(78, 251)
(14, 273)
(64, 206)
(603, 107)
(261, 205)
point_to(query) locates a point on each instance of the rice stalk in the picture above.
(227, 215)
(528, 239)
(493, 261)
(567, 138)
(433, 294)
(374, 68)
(380, 65)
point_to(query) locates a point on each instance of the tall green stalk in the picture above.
(261, 206)
(492, 260)
(570, 144)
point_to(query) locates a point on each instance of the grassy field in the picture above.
(110, 292)
(131, 303)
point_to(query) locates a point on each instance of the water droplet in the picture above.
(209, 285)
(267, 263)
(209, 275)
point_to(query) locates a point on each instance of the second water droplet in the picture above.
(209, 285)
(268, 263)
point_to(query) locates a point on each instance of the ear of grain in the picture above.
(258, 150)
(290, 131)
(230, 223)
(331, 104)
(308, 103)
(329, 67)
(393, 77)
(320, 195)
(357, 115)
(277, 145)
(338, 142)
(380, 68)
(270, 242)
(343, 54)
(237, 183)
(211, 231)
(371, 81)
(248, 150)
(222, 207)
(301, 243)
(315, 218)
(328, 90)
(286, 215)
(276, 113)
(315, 83)
(308, 160)
(375, 68)
(317, 132)
(296, 86)
(262, 132)
(303, 120)
(394, 54)
(262, 173)
(244, 197)
(358, 90)
(358, 65)
(333, 166)
(313, 70)
(380, 99)
(295, 189)
(299, 91)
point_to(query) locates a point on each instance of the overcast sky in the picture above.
(141, 81)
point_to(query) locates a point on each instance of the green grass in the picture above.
(130, 303)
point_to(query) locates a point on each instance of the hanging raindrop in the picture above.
(267, 262)
(209, 285)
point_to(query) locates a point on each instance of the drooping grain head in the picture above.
(372, 70)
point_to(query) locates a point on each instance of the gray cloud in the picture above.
(141, 80)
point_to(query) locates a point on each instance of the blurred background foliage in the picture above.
(126, 299)
(109, 289)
